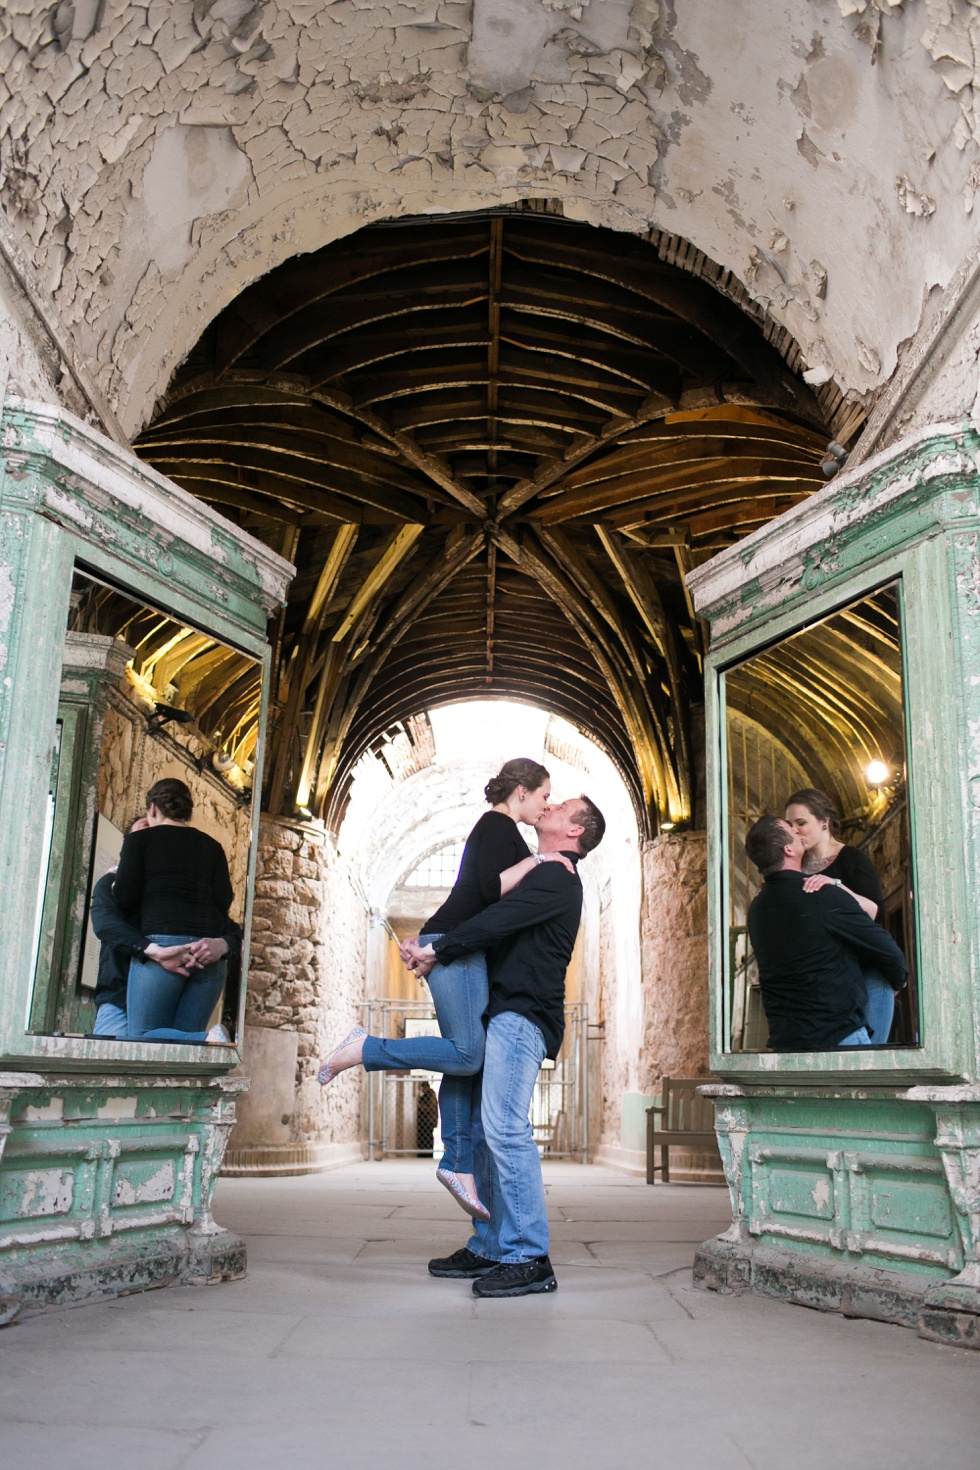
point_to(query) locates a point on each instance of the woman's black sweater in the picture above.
(493, 846)
(176, 879)
(857, 872)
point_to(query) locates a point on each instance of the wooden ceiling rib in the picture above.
(555, 420)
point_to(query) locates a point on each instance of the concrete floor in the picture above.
(339, 1350)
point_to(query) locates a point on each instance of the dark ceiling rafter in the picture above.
(533, 428)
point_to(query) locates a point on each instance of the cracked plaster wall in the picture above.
(155, 158)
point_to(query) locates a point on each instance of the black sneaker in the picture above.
(517, 1278)
(461, 1264)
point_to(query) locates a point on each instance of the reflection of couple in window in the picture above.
(828, 970)
(162, 919)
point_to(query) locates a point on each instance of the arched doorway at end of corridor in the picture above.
(636, 987)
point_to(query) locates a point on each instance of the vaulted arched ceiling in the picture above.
(493, 445)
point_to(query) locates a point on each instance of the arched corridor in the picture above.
(412, 802)
(365, 362)
(338, 1349)
(507, 425)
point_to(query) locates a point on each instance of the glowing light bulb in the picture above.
(667, 826)
(877, 773)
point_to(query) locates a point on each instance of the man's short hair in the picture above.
(593, 825)
(765, 842)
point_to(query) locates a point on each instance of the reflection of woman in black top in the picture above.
(176, 880)
(828, 860)
(495, 859)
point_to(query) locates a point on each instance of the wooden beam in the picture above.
(655, 407)
(491, 600)
(633, 458)
(645, 596)
(679, 506)
(458, 551)
(330, 677)
(495, 272)
(673, 480)
(330, 271)
(400, 545)
(659, 780)
(430, 464)
(595, 591)
(299, 441)
(692, 300)
(340, 550)
(418, 290)
(343, 545)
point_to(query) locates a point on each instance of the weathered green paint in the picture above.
(106, 1184)
(855, 1176)
(108, 1150)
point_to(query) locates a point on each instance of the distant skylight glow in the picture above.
(493, 730)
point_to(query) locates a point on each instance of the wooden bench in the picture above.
(682, 1120)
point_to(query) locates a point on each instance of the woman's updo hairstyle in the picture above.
(171, 798)
(512, 774)
(818, 804)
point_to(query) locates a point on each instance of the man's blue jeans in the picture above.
(459, 993)
(166, 1007)
(859, 1037)
(880, 1008)
(111, 1021)
(508, 1166)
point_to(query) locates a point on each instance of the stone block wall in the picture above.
(674, 939)
(306, 978)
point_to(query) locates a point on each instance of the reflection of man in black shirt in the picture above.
(810, 949)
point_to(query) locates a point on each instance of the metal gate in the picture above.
(396, 1105)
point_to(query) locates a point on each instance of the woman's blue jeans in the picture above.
(880, 1008)
(165, 1007)
(459, 993)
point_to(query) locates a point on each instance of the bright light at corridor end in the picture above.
(483, 729)
(877, 773)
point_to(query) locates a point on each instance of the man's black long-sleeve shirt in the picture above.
(810, 949)
(529, 937)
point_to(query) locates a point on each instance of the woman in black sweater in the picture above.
(176, 879)
(495, 859)
(829, 860)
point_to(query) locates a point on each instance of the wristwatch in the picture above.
(537, 857)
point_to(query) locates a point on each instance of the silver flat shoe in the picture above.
(466, 1201)
(325, 1074)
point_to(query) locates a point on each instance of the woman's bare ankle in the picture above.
(352, 1055)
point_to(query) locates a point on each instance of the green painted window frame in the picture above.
(942, 1052)
(69, 495)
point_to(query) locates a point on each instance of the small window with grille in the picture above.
(437, 869)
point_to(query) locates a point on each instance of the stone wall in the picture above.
(306, 982)
(674, 938)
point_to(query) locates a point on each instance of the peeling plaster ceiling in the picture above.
(154, 160)
(492, 445)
